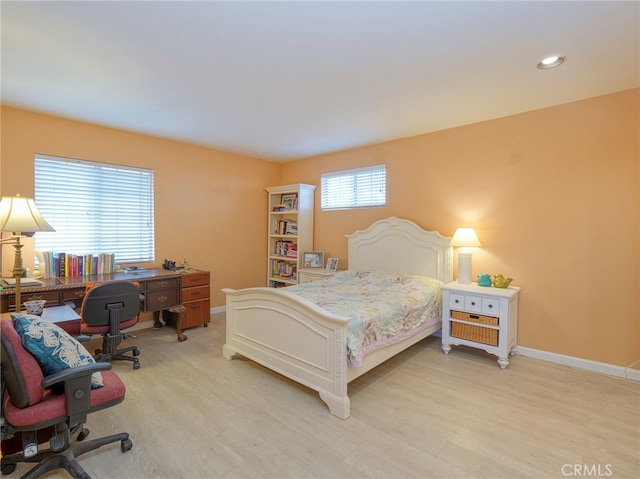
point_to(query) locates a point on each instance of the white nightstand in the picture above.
(306, 275)
(480, 317)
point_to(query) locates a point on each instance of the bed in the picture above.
(295, 337)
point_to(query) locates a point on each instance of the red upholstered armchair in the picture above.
(107, 309)
(32, 410)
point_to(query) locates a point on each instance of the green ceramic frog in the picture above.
(500, 281)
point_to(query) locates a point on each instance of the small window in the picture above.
(95, 208)
(359, 188)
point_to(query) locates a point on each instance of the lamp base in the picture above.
(464, 268)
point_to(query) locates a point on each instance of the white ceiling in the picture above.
(289, 80)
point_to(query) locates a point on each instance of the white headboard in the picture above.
(398, 245)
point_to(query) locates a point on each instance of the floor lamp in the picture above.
(465, 239)
(20, 216)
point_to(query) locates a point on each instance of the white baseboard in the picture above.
(148, 324)
(589, 365)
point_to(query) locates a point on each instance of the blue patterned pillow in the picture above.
(53, 348)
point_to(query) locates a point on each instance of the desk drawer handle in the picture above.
(162, 299)
(79, 294)
(34, 297)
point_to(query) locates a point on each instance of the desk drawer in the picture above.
(157, 284)
(197, 313)
(162, 299)
(195, 279)
(52, 298)
(75, 294)
(192, 294)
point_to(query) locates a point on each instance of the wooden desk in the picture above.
(161, 289)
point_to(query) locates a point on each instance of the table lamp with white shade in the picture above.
(20, 216)
(465, 239)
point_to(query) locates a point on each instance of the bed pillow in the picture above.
(54, 349)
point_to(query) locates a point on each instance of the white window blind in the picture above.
(362, 187)
(95, 208)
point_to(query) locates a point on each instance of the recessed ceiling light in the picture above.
(551, 62)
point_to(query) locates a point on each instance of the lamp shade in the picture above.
(20, 215)
(465, 237)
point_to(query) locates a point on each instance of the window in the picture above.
(95, 208)
(362, 187)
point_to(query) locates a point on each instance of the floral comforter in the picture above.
(383, 308)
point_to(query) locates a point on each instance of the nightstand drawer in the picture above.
(456, 301)
(466, 302)
(477, 304)
(491, 306)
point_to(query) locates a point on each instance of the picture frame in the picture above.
(312, 259)
(289, 200)
(332, 264)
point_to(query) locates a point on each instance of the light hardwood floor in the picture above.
(193, 414)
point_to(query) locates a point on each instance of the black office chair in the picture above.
(107, 309)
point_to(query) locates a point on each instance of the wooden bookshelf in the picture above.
(290, 231)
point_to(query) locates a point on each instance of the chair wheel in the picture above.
(97, 352)
(126, 445)
(8, 469)
(136, 352)
(83, 434)
(136, 364)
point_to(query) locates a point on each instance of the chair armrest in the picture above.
(77, 389)
(77, 372)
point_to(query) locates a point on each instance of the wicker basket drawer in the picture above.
(475, 318)
(477, 334)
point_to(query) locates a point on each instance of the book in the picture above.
(11, 282)
(133, 269)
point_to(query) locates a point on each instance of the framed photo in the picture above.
(289, 200)
(313, 259)
(332, 264)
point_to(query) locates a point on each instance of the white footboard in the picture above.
(293, 337)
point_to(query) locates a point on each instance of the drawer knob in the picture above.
(473, 303)
(490, 306)
(457, 301)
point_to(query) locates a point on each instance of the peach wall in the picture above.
(209, 205)
(553, 196)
